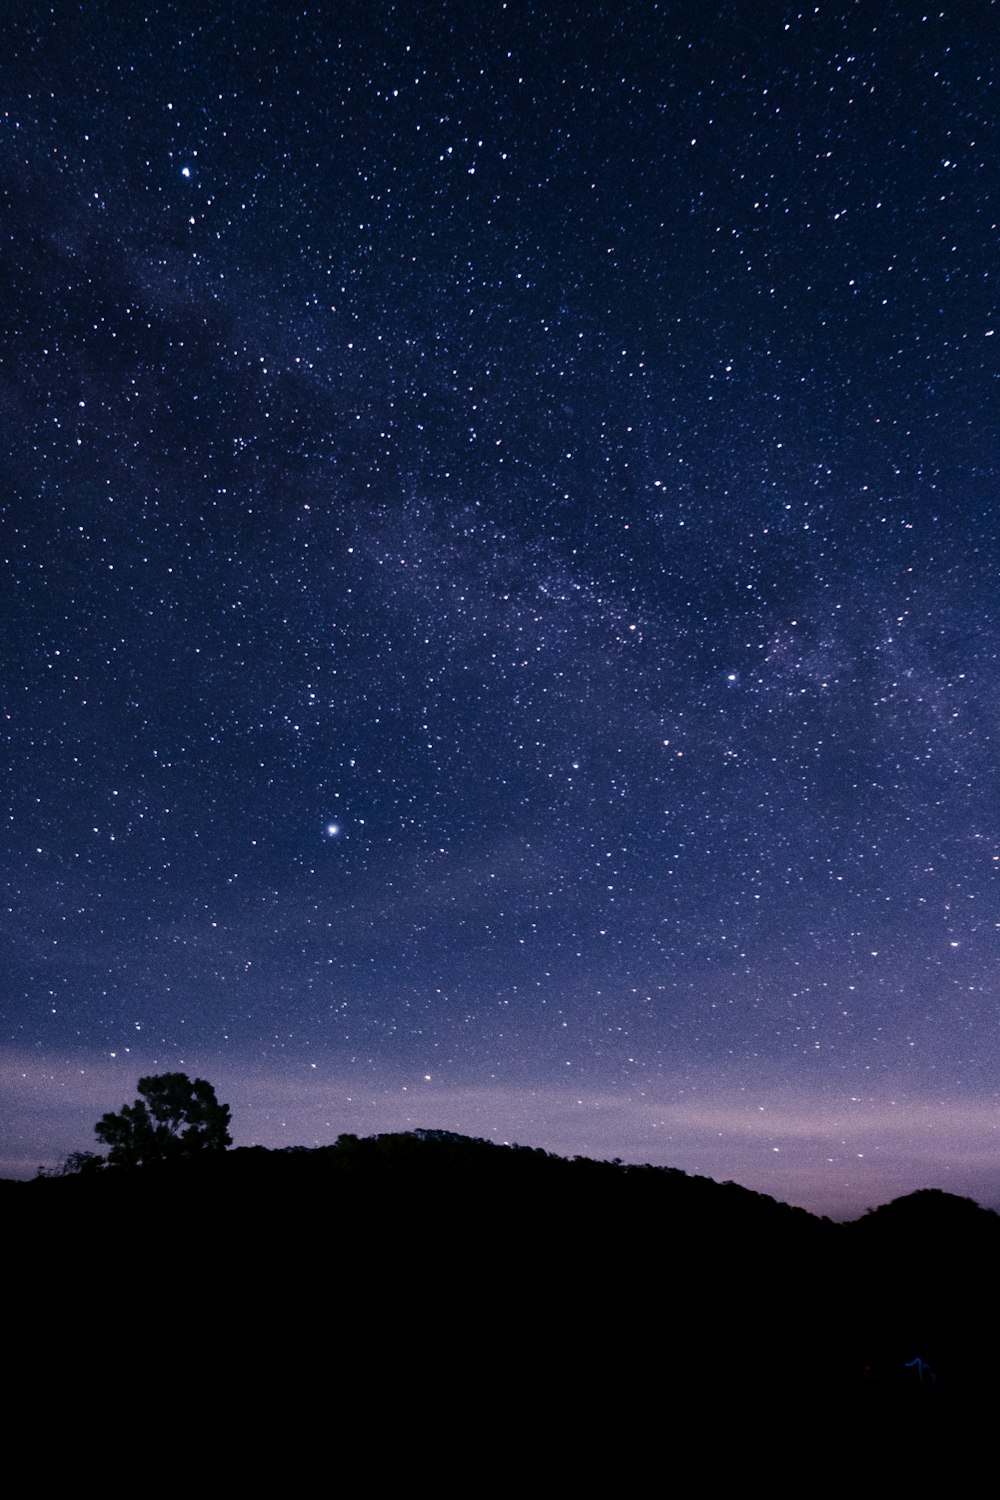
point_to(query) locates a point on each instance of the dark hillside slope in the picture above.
(450, 1280)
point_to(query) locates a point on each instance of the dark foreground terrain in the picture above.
(454, 1311)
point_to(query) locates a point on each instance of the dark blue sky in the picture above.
(500, 550)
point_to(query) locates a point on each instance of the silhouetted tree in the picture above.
(175, 1118)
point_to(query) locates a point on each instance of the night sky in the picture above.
(500, 563)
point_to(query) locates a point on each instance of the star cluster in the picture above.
(499, 543)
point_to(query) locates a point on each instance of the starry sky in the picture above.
(500, 556)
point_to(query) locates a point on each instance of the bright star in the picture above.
(332, 829)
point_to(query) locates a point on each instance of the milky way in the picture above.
(499, 559)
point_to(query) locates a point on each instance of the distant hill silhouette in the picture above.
(416, 1269)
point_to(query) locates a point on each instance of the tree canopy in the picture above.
(175, 1118)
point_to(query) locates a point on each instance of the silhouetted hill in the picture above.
(924, 1268)
(469, 1184)
(469, 1268)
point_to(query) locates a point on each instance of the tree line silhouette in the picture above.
(508, 1258)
